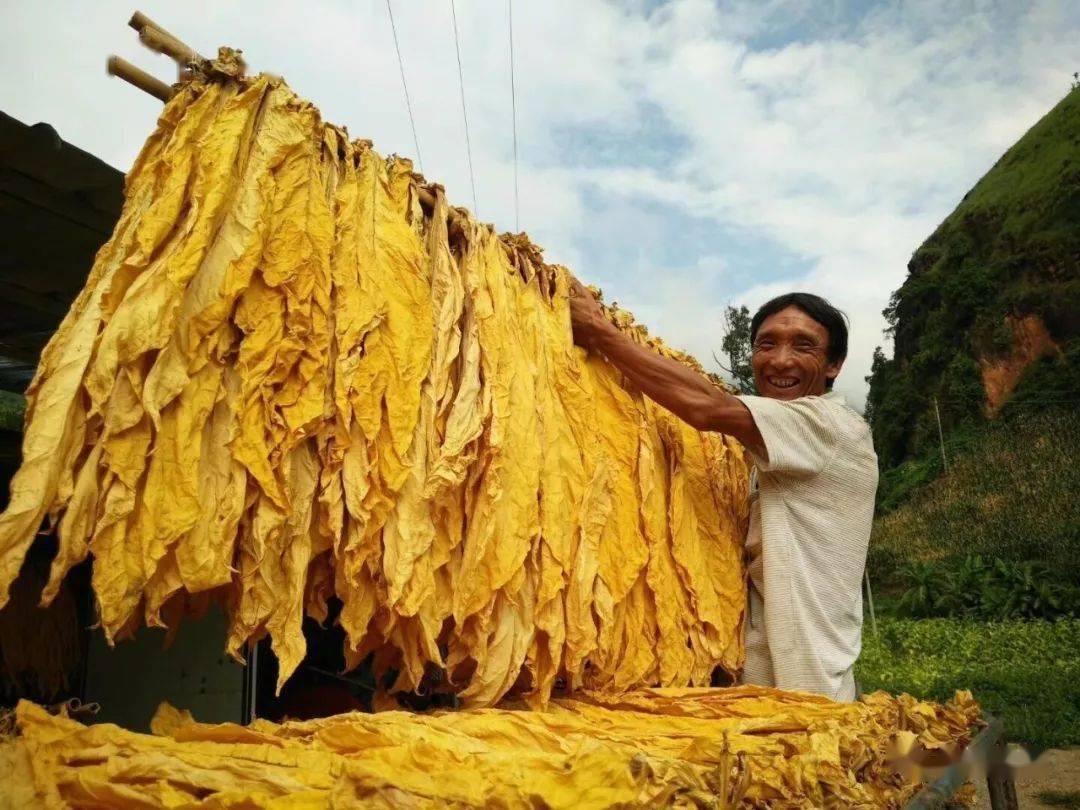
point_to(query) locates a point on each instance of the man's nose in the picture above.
(783, 356)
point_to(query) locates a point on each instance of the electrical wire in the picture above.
(1034, 400)
(405, 87)
(513, 108)
(464, 114)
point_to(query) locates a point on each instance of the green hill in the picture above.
(988, 320)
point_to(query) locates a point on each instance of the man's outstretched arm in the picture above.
(689, 395)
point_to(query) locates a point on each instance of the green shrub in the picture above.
(925, 585)
(978, 587)
(1026, 672)
(12, 408)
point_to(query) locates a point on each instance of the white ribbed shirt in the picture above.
(811, 509)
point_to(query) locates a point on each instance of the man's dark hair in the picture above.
(834, 321)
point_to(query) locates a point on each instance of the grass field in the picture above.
(1027, 673)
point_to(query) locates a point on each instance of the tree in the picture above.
(878, 380)
(736, 345)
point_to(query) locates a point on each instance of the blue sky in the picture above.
(681, 154)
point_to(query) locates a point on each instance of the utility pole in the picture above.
(940, 435)
(870, 601)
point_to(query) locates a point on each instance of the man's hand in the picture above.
(686, 393)
(586, 315)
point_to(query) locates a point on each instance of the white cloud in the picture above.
(848, 152)
(837, 137)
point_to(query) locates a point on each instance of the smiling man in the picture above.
(812, 488)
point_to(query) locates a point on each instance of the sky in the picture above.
(680, 155)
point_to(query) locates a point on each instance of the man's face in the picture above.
(790, 356)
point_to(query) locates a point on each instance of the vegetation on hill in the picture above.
(991, 298)
(1010, 494)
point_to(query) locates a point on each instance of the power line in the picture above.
(1041, 397)
(1049, 400)
(405, 86)
(464, 114)
(513, 107)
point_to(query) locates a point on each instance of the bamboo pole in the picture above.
(157, 40)
(454, 224)
(139, 78)
(139, 21)
(160, 40)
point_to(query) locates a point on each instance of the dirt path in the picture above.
(1055, 770)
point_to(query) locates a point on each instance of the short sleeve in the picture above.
(800, 435)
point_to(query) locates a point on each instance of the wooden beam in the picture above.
(13, 293)
(21, 191)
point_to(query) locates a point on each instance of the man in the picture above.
(812, 490)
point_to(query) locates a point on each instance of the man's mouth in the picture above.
(782, 382)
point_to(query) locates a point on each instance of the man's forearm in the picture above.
(689, 395)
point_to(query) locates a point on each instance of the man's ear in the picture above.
(832, 370)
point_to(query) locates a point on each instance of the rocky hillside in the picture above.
(988, 321)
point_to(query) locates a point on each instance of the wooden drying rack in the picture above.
(153, 36)
(187, 59)
(156, 38)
